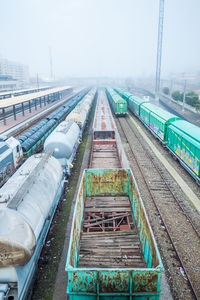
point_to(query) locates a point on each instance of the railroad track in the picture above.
(182, 233)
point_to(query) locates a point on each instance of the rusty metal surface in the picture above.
(104, 154)
(104, 126)
(145, 283)
(102, 281)
(107, 181)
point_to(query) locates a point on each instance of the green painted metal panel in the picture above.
(144, 114)
(133, 101)
(124, 94)
(135, 104)
(184, 141)
(118, 104)
(103, 181)
(157, 119)
(188, 129)
(118, 283)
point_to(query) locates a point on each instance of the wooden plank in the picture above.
(106, 209)
(107, 242)
(119, 257)
(111, 198)
(107, 204)
(110, 233)
(82, 265)
(134, 247)
(106, 200)
(106, 220)
(103, 217)
(115, 252)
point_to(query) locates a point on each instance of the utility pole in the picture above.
(171, 87)
(51, 63)
(183, 106)
(159, 49)
(37, 82)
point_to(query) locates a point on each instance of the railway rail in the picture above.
(181, 231)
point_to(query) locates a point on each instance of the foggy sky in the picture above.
(100, 37)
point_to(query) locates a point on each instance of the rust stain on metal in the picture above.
(145, 226)
(114, 282)
(107, 182)
(85, 282)
(145, 282)
(77, 225)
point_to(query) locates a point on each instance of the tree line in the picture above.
(191, 98)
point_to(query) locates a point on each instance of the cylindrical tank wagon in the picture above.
(63, 143)
(27, 204)
(81, 111)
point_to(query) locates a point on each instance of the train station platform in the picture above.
(15, 106)
(14, 93)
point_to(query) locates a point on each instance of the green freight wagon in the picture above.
(118, 104)
(157, 119)
(134, 104)
(133, 101)
(124, 94)
(184, 142)
(112, 251)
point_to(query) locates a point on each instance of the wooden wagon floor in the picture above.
(105, 156)
(109, 248)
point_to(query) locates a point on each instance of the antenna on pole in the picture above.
(51, 63)
(159, 49)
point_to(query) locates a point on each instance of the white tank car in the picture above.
(81, 111)
(79, 115)
(27, 204)
(63, 143)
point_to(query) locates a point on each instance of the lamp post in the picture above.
(183, 106)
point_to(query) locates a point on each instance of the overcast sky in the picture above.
(100, 37)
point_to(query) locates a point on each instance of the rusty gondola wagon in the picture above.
(112, 251)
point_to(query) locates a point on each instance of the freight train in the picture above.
(13, 150)
(112, 252)
(180, 137)
(118, 104)
(28, 201)
(65, 139)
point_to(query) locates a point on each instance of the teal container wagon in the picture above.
(133, 101)
(124, 94)
(134, 104)
(112, 251)
(157, 119)
(184, 142)
(118, 104)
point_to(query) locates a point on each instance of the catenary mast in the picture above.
(159, 49)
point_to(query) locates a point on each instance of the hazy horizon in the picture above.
(107, 38)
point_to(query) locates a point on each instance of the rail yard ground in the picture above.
(178, 282)
(52, 279)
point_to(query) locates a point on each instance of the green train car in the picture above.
(124, 94)
(133, 101)
(131, 271)
(134, 104)
(180, 137)
(118, 104)
(157, 119)
(184, 142)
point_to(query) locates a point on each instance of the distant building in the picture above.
(8, 83)
(16, 70)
